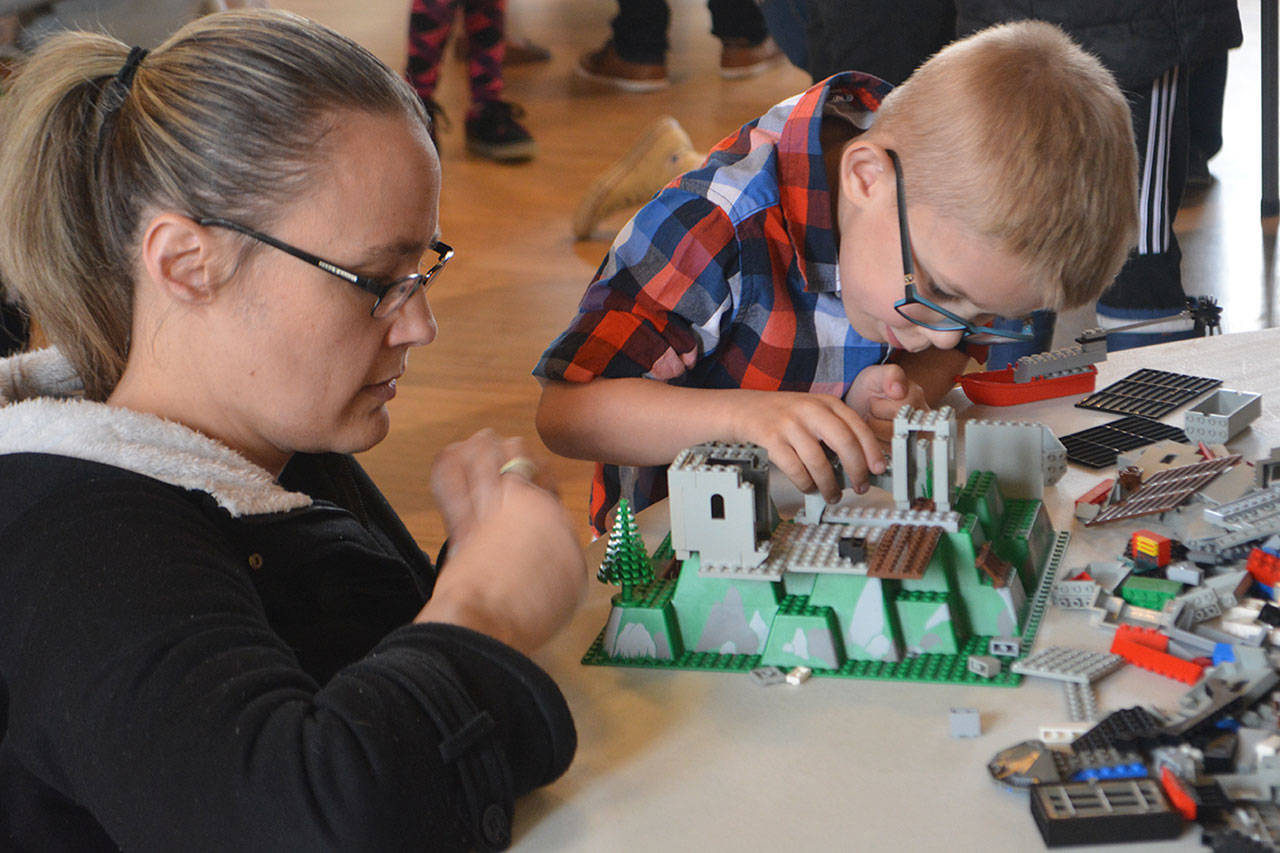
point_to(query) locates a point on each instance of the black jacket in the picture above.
(173, 677)
(1138, 40)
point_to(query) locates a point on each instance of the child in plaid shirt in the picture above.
(828, 261)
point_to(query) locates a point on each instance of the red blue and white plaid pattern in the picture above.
(727, 278)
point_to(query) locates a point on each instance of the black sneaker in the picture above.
(494, 133)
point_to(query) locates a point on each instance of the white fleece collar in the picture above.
(50, 418)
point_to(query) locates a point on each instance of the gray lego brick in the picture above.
(1062, 663)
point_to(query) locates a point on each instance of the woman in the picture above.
(214, 632)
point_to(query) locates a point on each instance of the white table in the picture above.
(707, 761)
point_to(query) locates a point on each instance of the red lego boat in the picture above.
(997, 388)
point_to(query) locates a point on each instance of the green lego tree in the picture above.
(626, 562)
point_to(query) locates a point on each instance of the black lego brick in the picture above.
(1098, 447)
(1149, 392)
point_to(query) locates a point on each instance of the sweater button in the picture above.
(255, 561)
(496, 827)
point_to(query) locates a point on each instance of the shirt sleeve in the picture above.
(660, 300)
(145, 683)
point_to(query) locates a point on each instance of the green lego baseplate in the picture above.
(950, 668)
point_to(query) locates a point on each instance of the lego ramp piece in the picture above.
(903, 553)
(1165, 490)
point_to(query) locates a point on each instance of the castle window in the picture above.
(717, 506)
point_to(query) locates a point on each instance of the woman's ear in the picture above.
(178, 256)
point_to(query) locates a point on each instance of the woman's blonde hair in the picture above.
(1020, 135)
(225, 119)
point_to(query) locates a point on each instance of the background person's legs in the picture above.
(1149, 285)
(640, 31)
(887, 38)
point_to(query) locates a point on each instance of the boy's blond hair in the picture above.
(1025, 138)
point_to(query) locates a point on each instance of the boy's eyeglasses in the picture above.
(389, 295)
(921, 311)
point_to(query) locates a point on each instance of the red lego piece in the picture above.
(1179, 797)
(1083, 576)
(1149, 637)
(997, 388)
(1157, 662)
(1151, 547)
(1204, 451)
(1098, 494)
(1264, 566)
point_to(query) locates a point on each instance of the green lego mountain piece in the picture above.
(803, 635)
(846, 624)
(927, 622)
(981, 497)
(933, 668)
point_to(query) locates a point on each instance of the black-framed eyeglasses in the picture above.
(924, 313)
(389, 295)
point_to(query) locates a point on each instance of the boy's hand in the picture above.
(878, 392)
(794, 427)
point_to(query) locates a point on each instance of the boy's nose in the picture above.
(944, 340)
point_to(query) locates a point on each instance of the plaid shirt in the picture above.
(727, 278)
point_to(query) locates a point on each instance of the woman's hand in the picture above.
(515, 570)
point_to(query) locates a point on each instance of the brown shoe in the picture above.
(606, 66)
(739, 58)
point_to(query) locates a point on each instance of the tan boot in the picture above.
(662, 153)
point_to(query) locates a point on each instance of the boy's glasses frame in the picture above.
(389, 295)
(948, 321)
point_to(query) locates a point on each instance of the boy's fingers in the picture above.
(893, 381)
(790, 465)
(872, 457)
(814, 458)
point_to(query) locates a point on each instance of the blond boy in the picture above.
(778, 297)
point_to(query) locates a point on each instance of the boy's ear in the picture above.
(865, 170)
(178, 256)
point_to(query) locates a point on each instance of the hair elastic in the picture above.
(116, 93)
(124, 77)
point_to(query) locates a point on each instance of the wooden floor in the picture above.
(518, 274)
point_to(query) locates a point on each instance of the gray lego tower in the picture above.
(720, 504)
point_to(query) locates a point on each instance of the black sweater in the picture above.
(172, 677)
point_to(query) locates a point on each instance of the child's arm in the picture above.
(645, 422)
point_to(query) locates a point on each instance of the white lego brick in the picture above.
(1064, 733)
